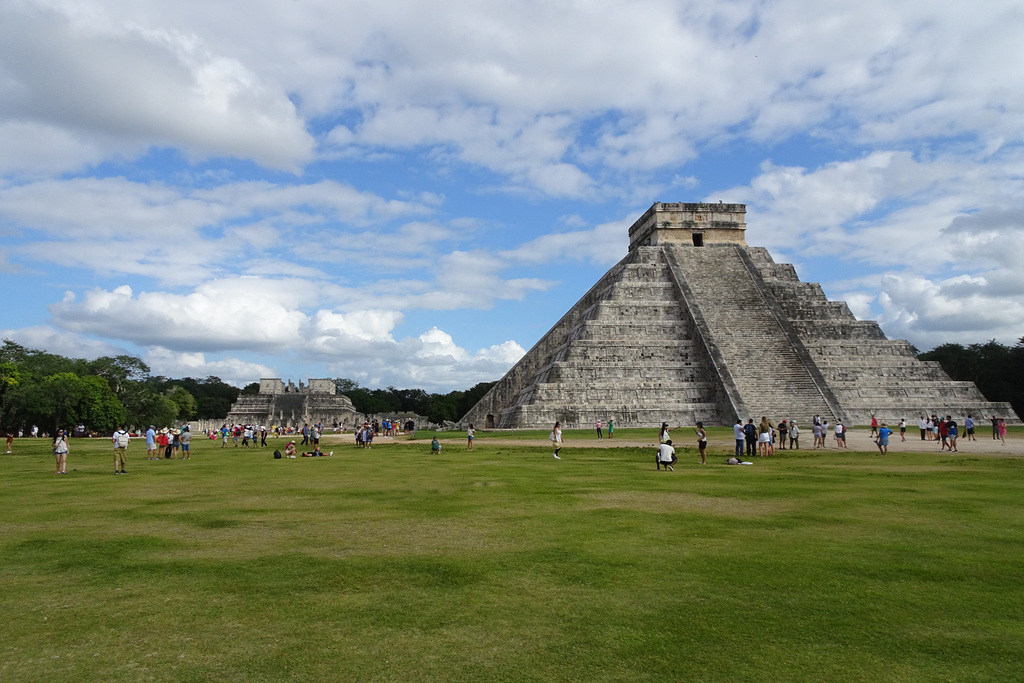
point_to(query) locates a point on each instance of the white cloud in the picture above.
(929, 312)
(109, 80)
(235, 371)
(256, 315)
(604, 244)
(61, 342)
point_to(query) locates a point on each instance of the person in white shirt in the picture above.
(666, 456)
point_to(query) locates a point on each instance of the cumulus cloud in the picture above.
(61, 342)
(431, 361)
(254, 315)
(108, 80)
(929, 312)
(235, 371)
(181, 235)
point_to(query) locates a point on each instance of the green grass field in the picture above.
(503, 564)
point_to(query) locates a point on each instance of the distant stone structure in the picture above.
(287, 405)
(694, 325)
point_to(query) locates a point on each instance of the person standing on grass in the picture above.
(186, 443)
(611, 428)
(151, 443)
(739, 436)
(597, 424)
(121, 440)
(664, 436)
(922, 424)
(556, 439)
(9, 436)
(995, 428)
(794, 436)
(702, 442)
(470, 435)
(764, 437)
(60, 451)
(224, 435)
(665, 455)
(883, 439)
(783, 432)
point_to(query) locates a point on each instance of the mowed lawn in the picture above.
(506, 565)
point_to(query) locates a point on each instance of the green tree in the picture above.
(101, 410)
(185, 401)
(10, 379)
(119, 370)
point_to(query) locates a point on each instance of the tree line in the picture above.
(50, 391)
(996, 369)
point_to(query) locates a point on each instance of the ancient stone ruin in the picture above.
(286, 405)
(694, 325)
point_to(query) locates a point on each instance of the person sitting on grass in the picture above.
(289, 450)
(435, 446)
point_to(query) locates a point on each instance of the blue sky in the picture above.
(412, 195)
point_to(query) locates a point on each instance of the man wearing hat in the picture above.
(151, 443)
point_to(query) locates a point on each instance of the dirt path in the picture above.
(857, 440)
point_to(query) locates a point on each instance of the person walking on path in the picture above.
(1001, 428)
(121, 440)
(952, 432)
(702, 442)
(874, 426)
(883, 439)
(60, 451)
(556, 439)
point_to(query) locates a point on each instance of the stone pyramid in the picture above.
(694, 325)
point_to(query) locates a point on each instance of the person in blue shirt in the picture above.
(883, 439)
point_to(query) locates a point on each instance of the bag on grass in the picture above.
(277, 455)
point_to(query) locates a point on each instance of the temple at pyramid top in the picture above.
(690, 224)
(695, 325)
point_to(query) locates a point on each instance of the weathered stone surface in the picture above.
(290, 406)
(695, 325)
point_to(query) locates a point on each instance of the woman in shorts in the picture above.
(702, 442)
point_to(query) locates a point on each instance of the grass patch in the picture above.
(503, 564)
